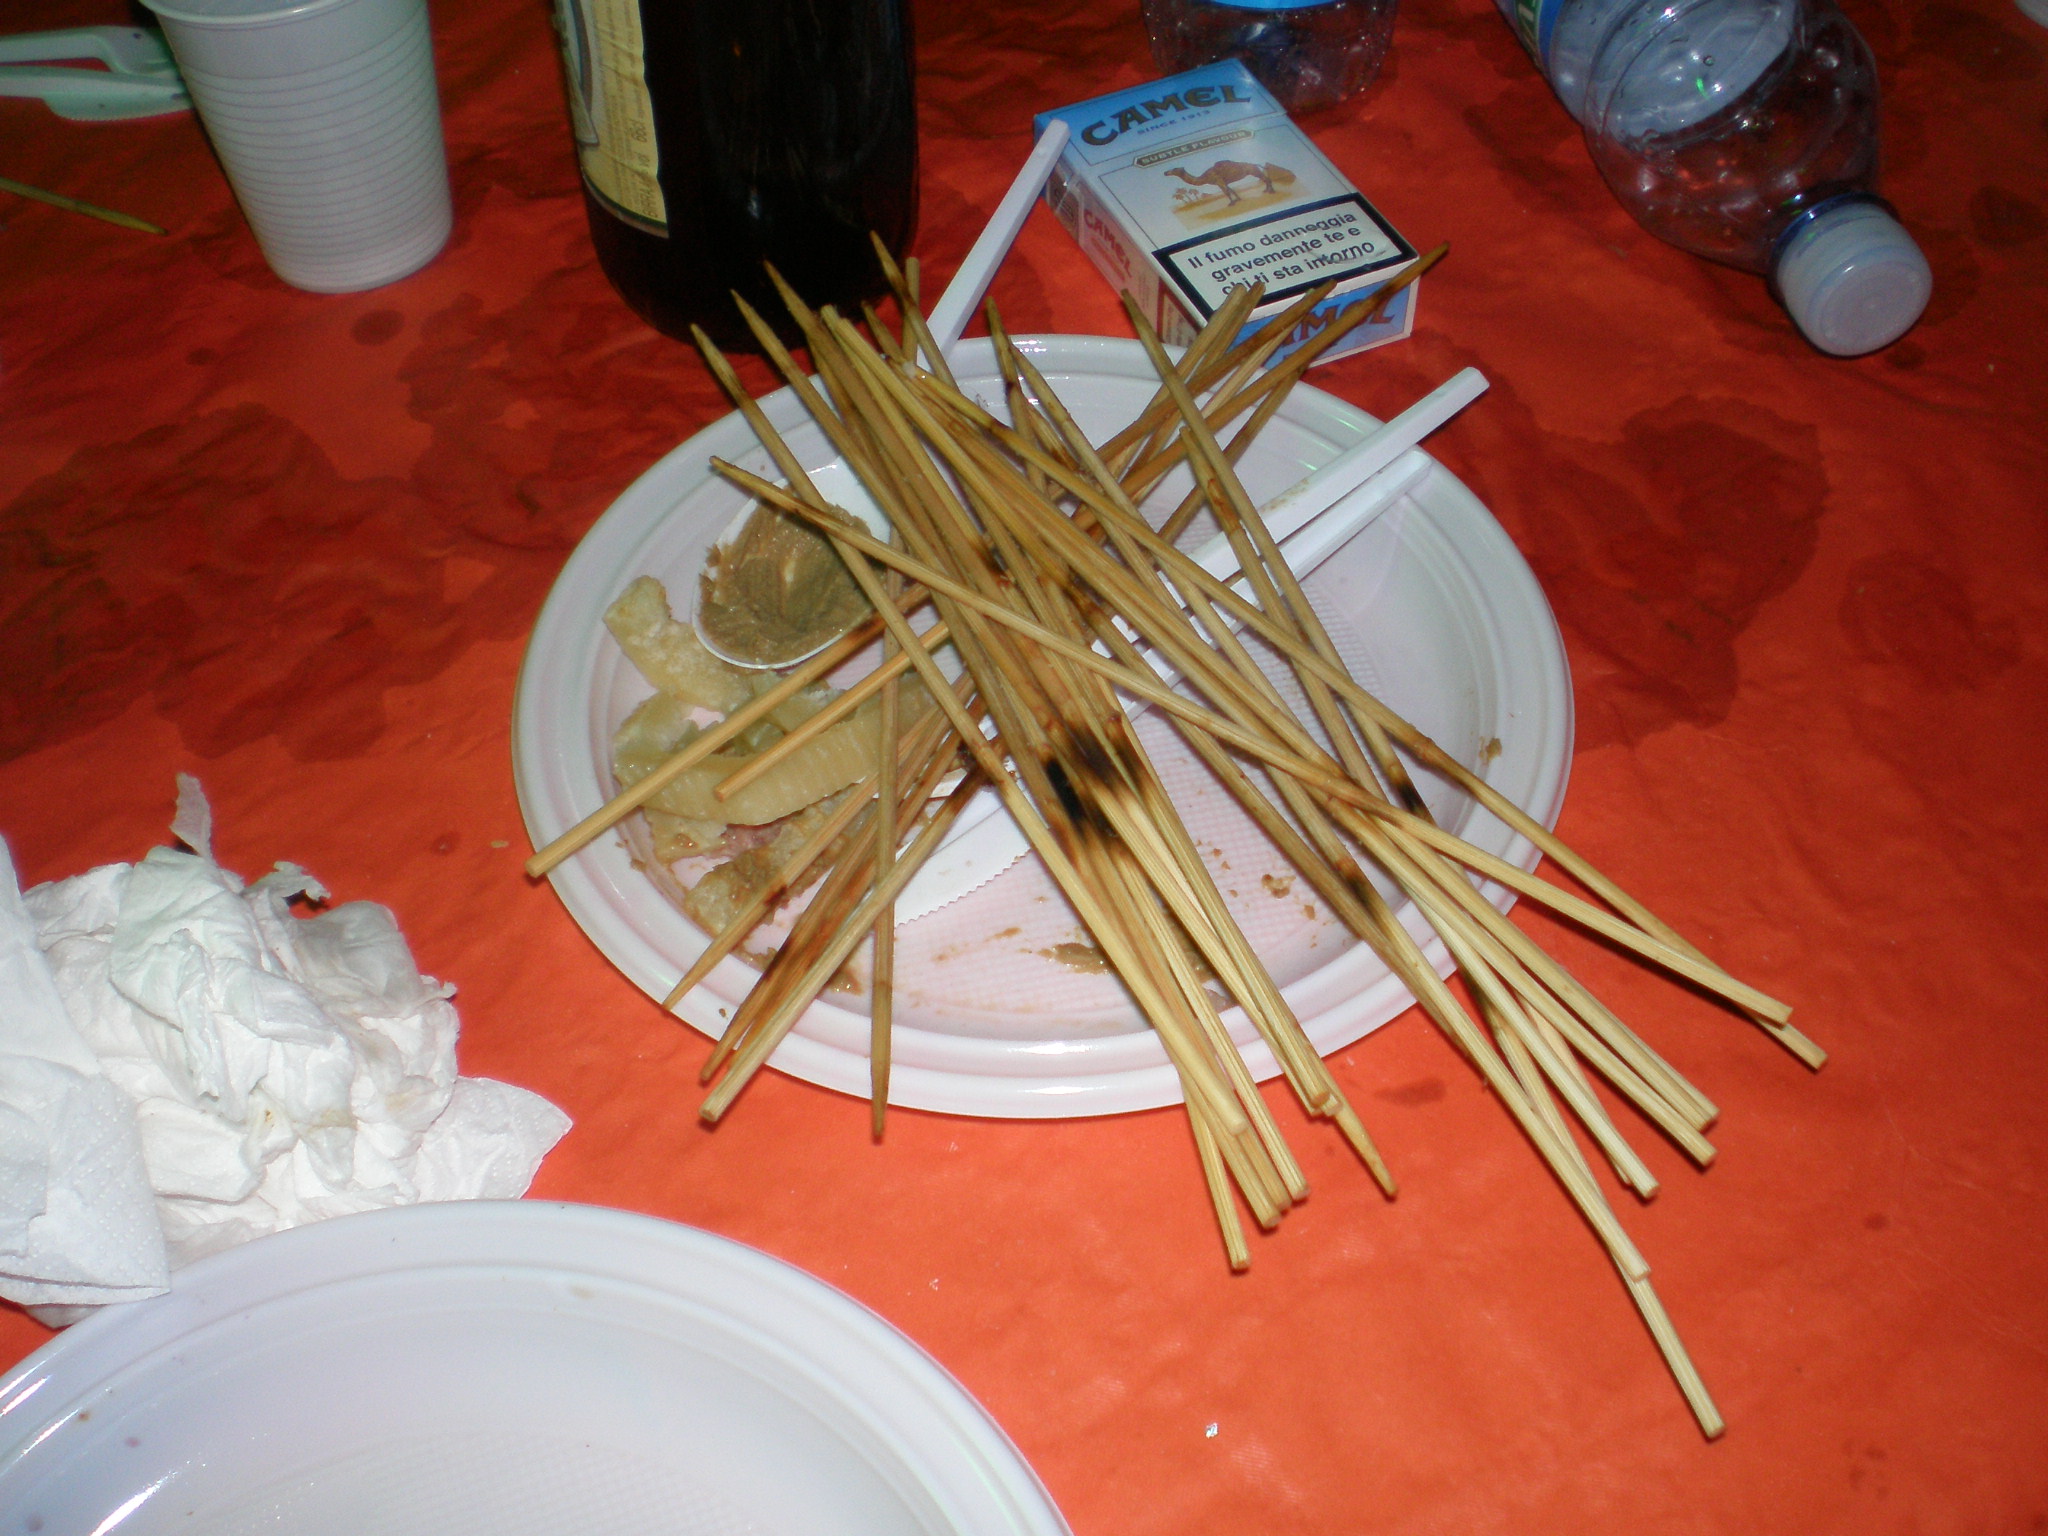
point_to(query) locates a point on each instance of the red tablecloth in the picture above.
(293, 544)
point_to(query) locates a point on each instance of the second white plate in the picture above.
(503, 1368)
(999, 1008)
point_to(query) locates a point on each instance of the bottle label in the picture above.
(605, 61)
(1533, 21)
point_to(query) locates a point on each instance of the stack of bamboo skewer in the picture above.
(1028, 542)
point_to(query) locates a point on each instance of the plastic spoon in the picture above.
(140, 80)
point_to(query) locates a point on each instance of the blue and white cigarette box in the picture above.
(1188, 187)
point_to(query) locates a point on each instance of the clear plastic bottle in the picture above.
(1308, 53)
(1744, 131)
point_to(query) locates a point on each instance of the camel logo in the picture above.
(1227, 188)
(1195, 98)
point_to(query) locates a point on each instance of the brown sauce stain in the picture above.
(1085, 958)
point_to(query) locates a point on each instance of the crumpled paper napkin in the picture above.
(185, 1064)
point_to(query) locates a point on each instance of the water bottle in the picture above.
(1744, 131)
(1308, 53)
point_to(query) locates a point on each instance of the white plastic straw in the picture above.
(948, 318)
(1311, 496)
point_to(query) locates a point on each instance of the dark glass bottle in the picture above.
(781, 131)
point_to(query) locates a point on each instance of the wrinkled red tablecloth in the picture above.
(293, 544)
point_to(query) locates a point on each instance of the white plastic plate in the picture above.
(502, 1368)
(997, 1011)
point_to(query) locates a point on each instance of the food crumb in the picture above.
(499, 842)
(1279, 885)
(1489, 749)
(1085, 958)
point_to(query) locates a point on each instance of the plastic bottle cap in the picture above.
(1853, 279)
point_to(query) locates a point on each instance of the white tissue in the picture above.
(172, 1038)
(77, 1219)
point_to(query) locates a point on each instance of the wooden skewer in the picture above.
(1590, 1111)
(1303, 770)
(1324, 666)
(1277, 590)
(1189, 576)
(1684, 1093)
(986, 680)
(882, 982)
(786, 881)
(1143, 684)
(1170, 883)
(1207, 355)
(1665, 1336)
(1304, 1068)
(1481, 962)
(761, 1043)
(990, 765)
(807, 731)
(1618, 1147)
(1036, 602)
(1252, 351)
(930, 752)
(1149, 471)
(1475, 936)
(1271, 338)
(1636, 1072)
(78, 205)
(1214, 1174)
(913, 317)
(891, 345)
(1679, 962)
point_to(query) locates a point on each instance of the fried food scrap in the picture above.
(668, 652)
(688, 819)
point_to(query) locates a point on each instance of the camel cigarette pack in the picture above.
(1188, 187)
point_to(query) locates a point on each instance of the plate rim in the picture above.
(893, 1381)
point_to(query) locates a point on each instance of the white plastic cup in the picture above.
(325, 115)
